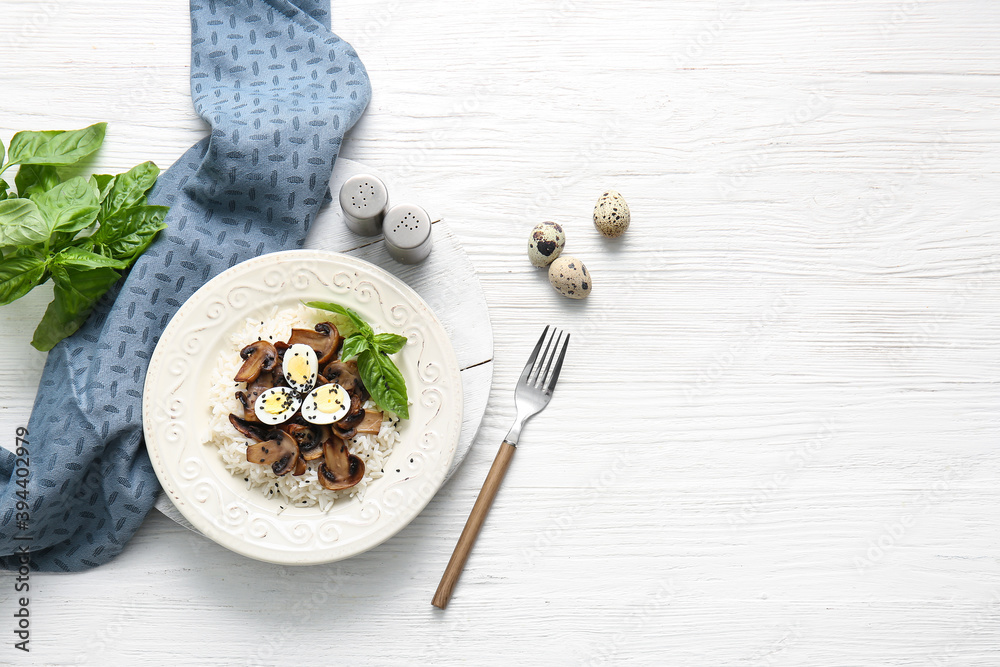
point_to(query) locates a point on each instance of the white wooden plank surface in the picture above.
(799, 335)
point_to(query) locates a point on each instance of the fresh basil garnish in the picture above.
(353, 346)
(127, 234)
(33, 179)
(79, 231)
(390, 343)
(69, 206)
(21, 223)
(76, 291)
(358, 324)
(18, 275)
(55, 147)
(378, 372)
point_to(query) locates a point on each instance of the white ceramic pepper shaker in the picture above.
(364, 199)
(407, 233)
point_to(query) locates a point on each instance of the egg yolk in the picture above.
(275, 404)
(298, 370)
(329, 398)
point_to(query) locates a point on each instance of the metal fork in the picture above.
(533, 393)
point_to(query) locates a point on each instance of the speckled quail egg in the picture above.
(276, 405)
(611, 214)
(300, 367)
(326, 404)
(569, 277)
(546, 243)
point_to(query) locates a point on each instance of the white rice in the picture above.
(304, 490)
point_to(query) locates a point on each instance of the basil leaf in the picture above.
(34, 178)
(70, 206)
(384, 382)
(78, 257)
(18, 275)
(353, 346)
(129, 189)
(355, 319)
(21, 223)
(76, 291)
(56, 147)
(2, 153)
(59, 241)
(102, 185)
(389, 343)
(128, 234)
(3, 189)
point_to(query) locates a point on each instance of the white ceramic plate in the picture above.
(175, 410)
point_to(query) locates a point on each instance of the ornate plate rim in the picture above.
(437, 374)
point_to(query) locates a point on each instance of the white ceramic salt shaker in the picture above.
(407, 233)
(364, 199)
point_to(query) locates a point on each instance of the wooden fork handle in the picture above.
(474, 524)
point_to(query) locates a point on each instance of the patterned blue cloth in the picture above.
(279, 91)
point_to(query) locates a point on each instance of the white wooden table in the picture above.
(775, 439)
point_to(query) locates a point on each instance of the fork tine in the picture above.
(536, 372)
(559, 363)
(543, 375)
(531, 360)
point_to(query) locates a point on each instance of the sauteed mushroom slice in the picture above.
(351, 420)
(300, 467)
(253, 430)
(347, 427)
(280, 452)
(371, 424)
(278, 373)
(344, 433)
(263, 382)
(248, 398)
(248, 411)
(309, 438)
(314, 453)
(324, 340)
(340, 469)
(353, 416)
(325, 433)
(345, 374)
(257, 357)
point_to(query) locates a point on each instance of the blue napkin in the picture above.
(279, 91)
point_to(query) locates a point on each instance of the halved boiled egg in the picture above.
(300, 367)
(276, 405)
(326, 404)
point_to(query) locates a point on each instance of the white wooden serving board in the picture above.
(447, 282)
